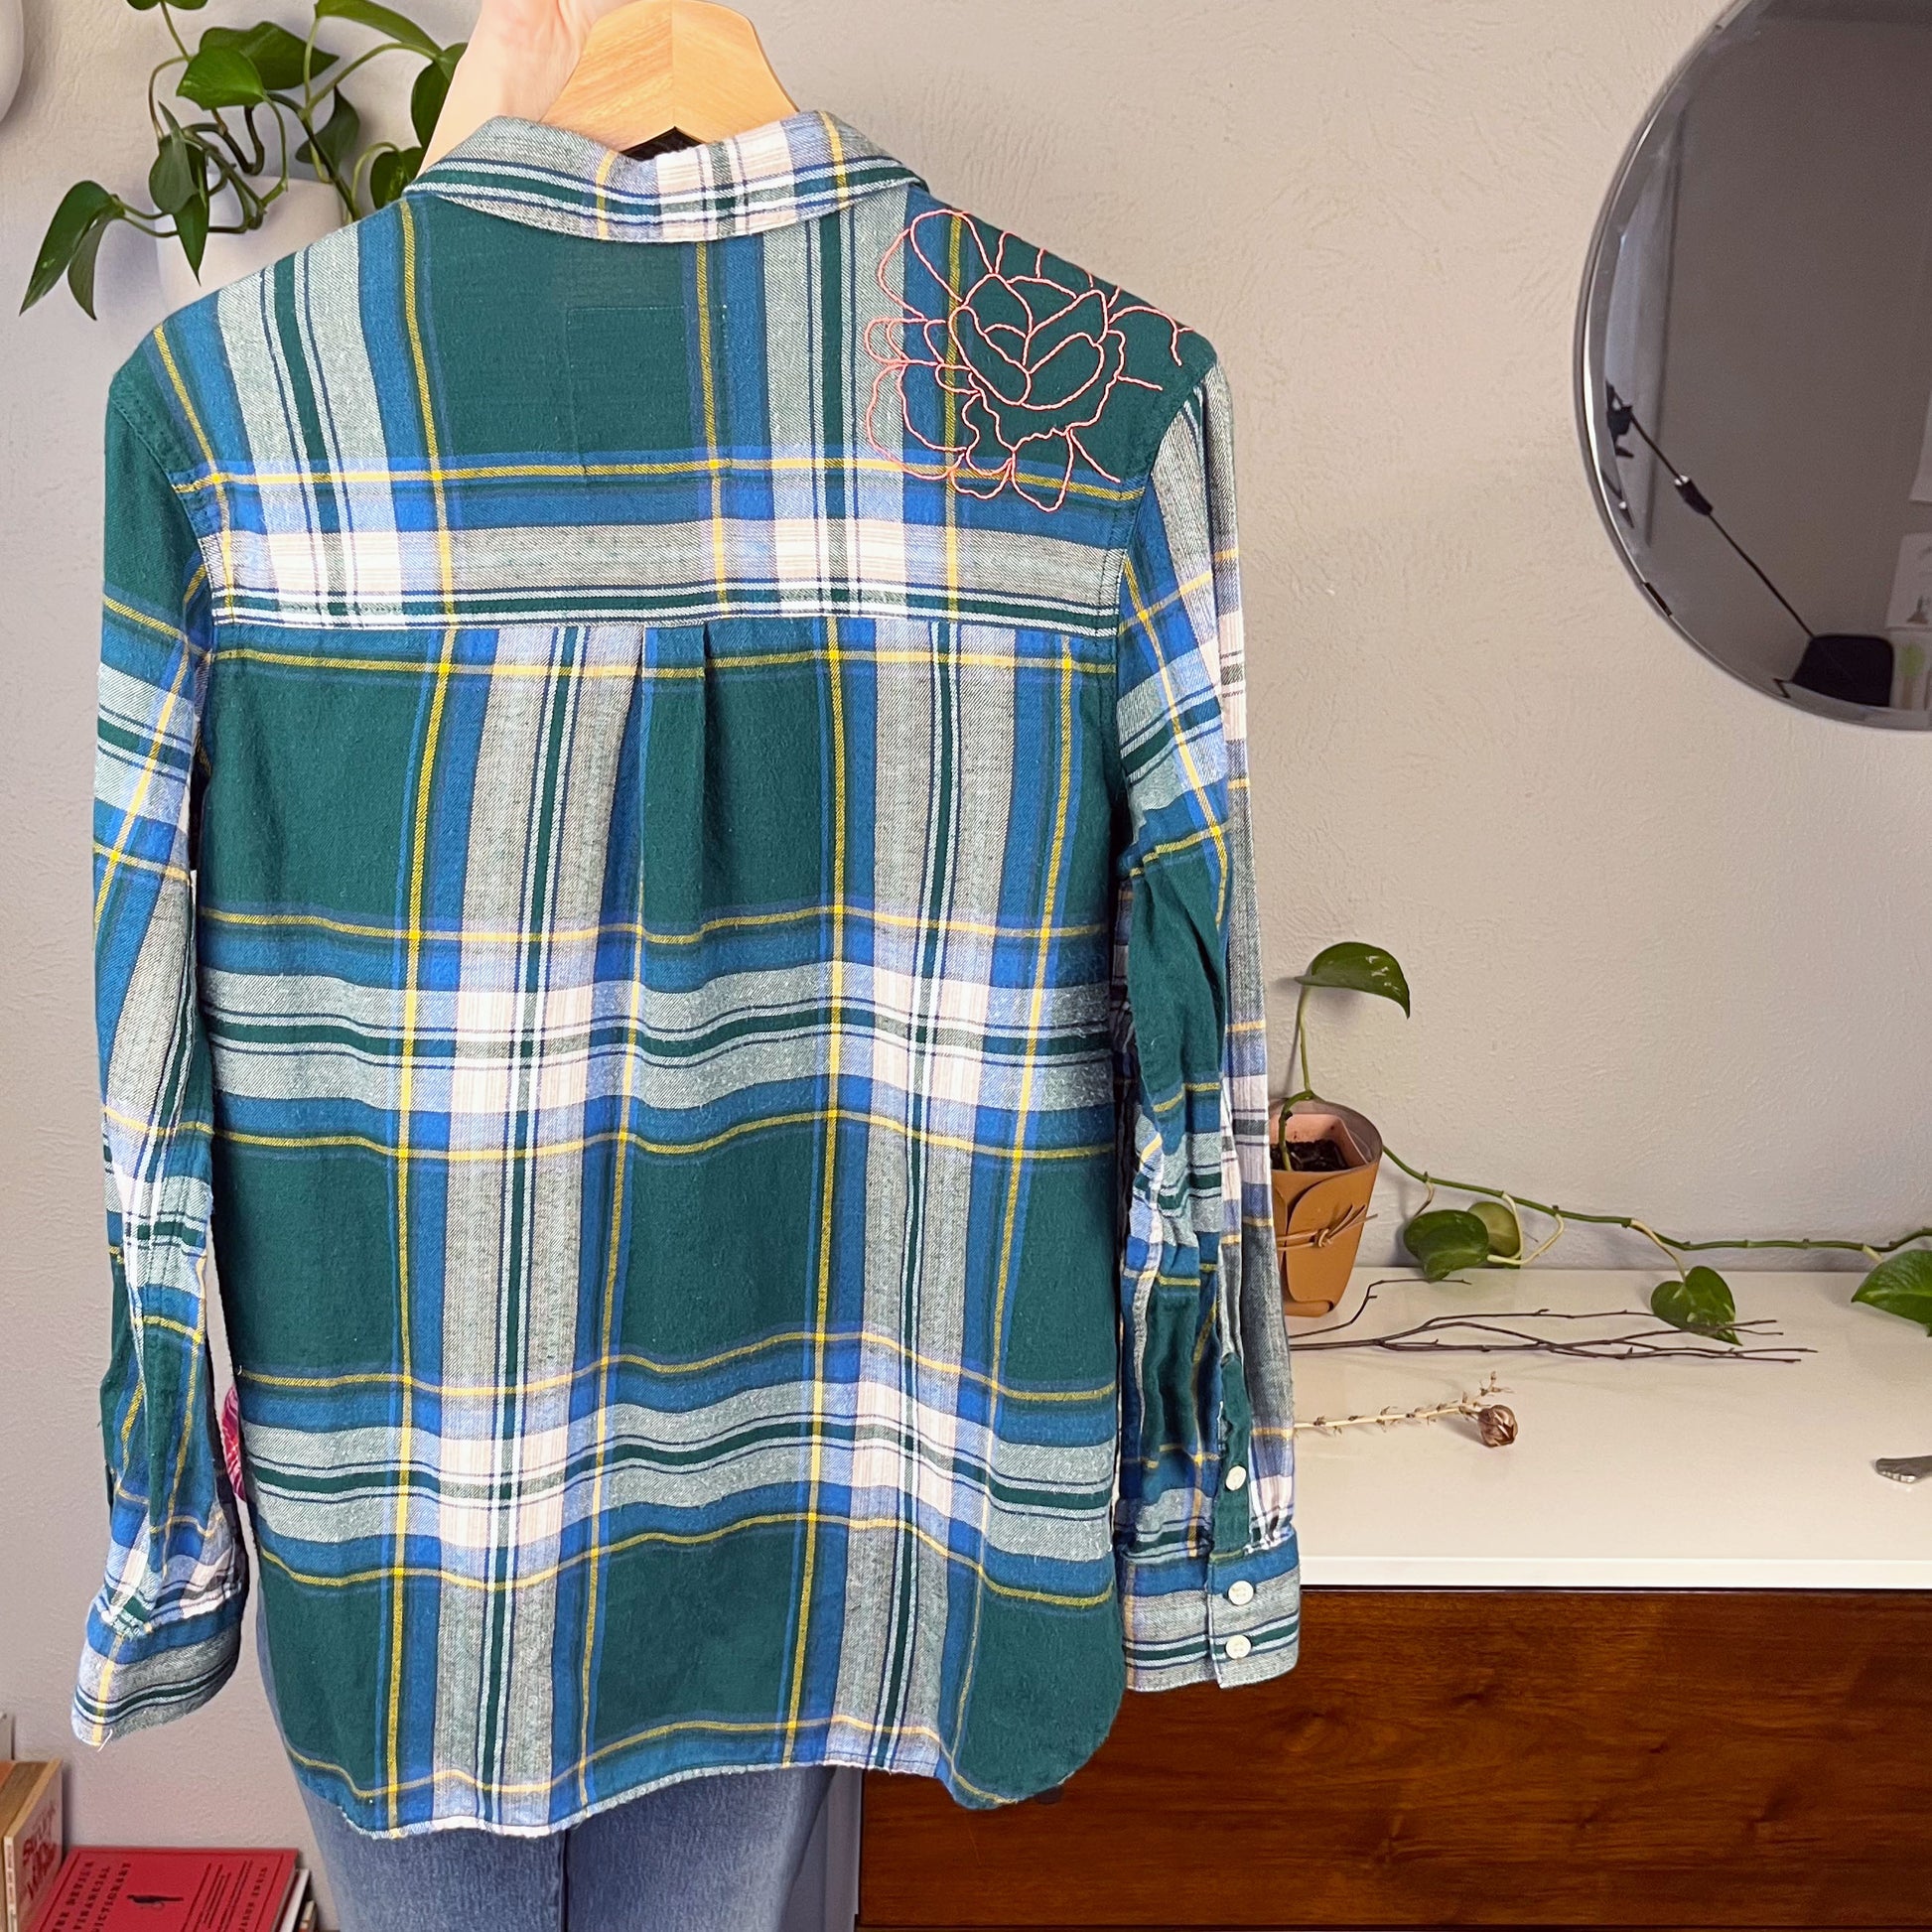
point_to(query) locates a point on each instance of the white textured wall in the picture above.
(1667, 941)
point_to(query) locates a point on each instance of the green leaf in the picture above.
(1901, 1285)
(1500, 1222)
(80, 270)
(451, 55)
(1700, 1304)
(83, 206)
(222, 76)
(426, 99)
(1358, 968)
(176, 173)
(391, 172)
(192, 225)
(336, 137)
(1445, 1240)
(275, 53)
(385, 19)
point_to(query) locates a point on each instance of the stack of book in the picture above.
(144, 1888)
(31, 1837)
(130, 1889)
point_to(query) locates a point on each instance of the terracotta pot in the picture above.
(1320, 1217)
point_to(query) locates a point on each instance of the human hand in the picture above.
(518, 58)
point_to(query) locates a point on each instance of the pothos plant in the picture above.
(1486, 1231)
(244, 107)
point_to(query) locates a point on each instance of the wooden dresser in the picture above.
(1666, 1662)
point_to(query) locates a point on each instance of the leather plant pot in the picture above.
(1320, 1217)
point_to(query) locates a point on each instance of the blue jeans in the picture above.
(709, 1854)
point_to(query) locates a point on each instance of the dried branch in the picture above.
(1653, 1341)
(1494, 1424)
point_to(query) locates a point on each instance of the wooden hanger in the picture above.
(663, 67)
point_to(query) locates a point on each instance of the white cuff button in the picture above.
(1242, 1592)
(1238, 1647)
(1237, 1477)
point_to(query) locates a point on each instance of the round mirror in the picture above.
(1754, 355)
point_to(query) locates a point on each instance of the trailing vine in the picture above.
(1488, 1233)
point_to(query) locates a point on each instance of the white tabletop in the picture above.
(1670, 1475)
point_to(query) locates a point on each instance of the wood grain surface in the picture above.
(1483, 1758)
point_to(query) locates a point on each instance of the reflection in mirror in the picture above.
(1756, 355)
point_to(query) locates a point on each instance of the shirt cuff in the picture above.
(132, 1679)
(1214, 1619)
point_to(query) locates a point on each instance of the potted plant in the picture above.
(249, 108)
(1324, 1156)
(1487, 1231)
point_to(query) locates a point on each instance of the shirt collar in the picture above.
(807, 164)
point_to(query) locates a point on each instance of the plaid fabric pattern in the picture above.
(699, 974)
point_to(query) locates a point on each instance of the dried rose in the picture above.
(1497, 1425)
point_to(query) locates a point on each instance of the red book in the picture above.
(142, 1888)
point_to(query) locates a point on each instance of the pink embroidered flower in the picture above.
(1027, 350)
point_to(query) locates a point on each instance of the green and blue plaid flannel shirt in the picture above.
(674, 902)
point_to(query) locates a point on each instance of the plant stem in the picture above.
(366, 168)
(1666, 1241)
(174, 32)
(256, 136)
(282, 137)
(1650, 1235)
(344, 186)
(338, 75)
(319, 161)
(309, 52)
(218, 130)
(154, 112)
(1301, 1046)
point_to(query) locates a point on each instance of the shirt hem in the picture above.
(841, 1758)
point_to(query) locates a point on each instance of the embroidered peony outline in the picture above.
(1032, 361)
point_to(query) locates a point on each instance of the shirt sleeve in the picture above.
(1208, 1578)
(164, 1632)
